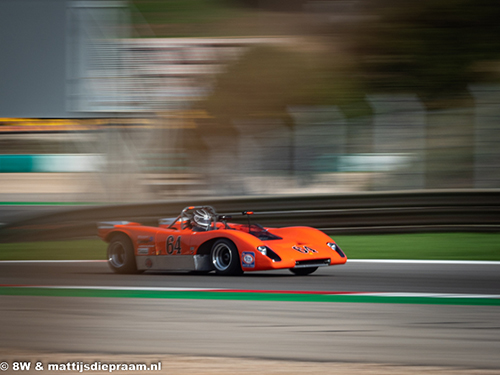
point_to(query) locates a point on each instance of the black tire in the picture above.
(303, 271)
(225, 258)
(121, 257)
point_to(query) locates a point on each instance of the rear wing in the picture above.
(113, 224)
(104, 228)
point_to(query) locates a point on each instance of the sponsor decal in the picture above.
(149, 263)
(248, 259)
(304, 249)
(144, 239)
(310, 249)
(143, 250)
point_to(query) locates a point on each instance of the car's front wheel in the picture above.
(121, 258)
(225, 258)
(303, 271)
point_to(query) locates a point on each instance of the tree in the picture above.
(430, 47)
(262, 83)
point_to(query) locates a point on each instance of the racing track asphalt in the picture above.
(418, 277)
(415, 334)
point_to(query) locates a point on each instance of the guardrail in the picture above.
(385, 212)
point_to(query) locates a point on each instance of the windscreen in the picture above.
(260, 232)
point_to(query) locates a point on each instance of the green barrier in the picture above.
(16, 163)
(49, 163)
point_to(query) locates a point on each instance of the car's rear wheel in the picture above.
(225, 258)
(121, 257)
(303, 271)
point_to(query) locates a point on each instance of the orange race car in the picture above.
(200, 240)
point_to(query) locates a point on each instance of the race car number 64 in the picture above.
(171, 247)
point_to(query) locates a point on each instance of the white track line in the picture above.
(401, 261)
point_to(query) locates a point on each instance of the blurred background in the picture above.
(132, 101)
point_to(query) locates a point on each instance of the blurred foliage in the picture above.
(434, 48)
(428, 47)
(431, 48)
(183, 11)
(336, 81)
(275, 5)
(201, 18)
(260, 84)
(267, 80)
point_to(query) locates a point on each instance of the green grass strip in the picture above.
(429, 246)
(244, 296)
(54, 250)
(426, 246)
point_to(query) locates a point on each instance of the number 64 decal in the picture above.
(304, 250)
(173, 245)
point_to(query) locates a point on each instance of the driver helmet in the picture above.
(202, 218)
